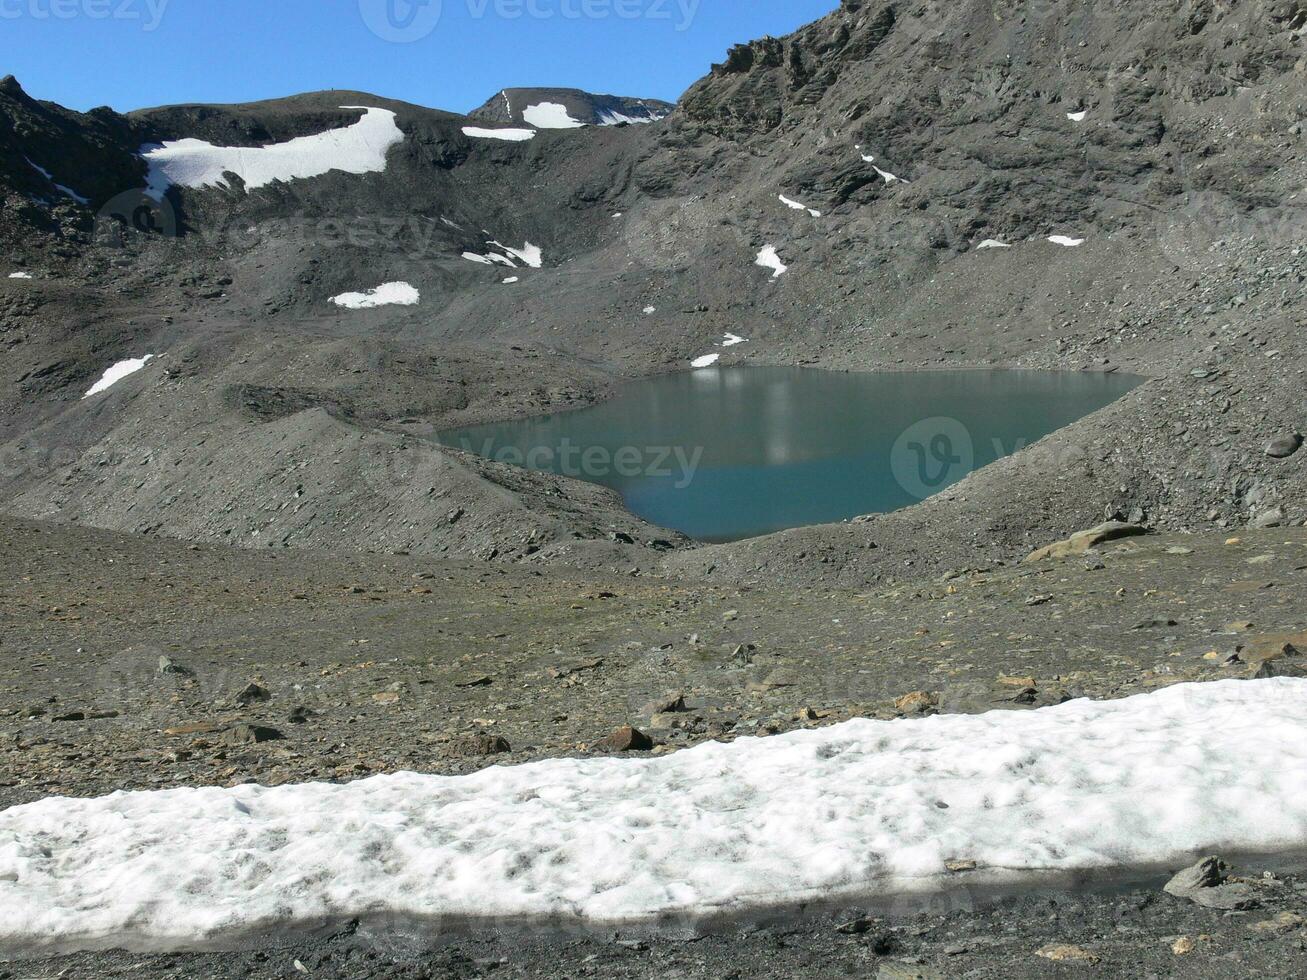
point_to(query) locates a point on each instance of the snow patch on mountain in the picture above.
(20, 275)
(66, 191)
(511, 135)
(117, 372)
(769, 259)
(796, 206)
(357, 149)
(529, 254)
(708, 360)
(550, 115)
(617, 118)
(992, 243)
(885, 175)
(387, 294)
(1066, 242)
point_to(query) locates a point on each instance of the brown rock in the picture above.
(625, 739)
(194, 728)
(474, 746)
(1021, 682)
(1082, 541)
(1062, 953)
(1284, 922)
(915, 703)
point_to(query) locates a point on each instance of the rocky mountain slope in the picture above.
(1165, 139)
(568, 108)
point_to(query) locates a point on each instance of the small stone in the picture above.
(776, 679)
(1063, 953)
(386, 697)
(1182, 946)
(250, 735)
(1273, 517)
(70, 716)
(194, 728)
(1021, 682)
(1284, 922)
(625, 739)
(1154, 623)
(1282, 447)
(169, 666)
(474, 746)
(253, 694)
(670, 704)
(476, 680)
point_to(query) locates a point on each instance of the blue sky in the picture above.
(451, 54)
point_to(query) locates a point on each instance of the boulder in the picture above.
(1205, 884)
(1082, 541)
(625, 739)
(1282, 447)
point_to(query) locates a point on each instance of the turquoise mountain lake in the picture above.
(728, 453)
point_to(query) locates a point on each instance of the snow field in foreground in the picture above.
(357, 149)
(117, 372)
(860, 808)
(387, 294)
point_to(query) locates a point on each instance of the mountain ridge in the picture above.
(915, 135)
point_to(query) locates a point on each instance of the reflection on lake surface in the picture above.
(728, 453)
